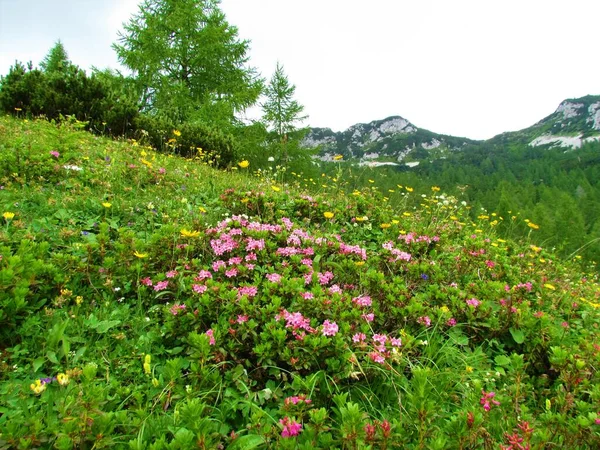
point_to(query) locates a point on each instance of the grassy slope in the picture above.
(83, 247)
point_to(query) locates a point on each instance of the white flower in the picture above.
(271, 159)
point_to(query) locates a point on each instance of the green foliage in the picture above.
(188, 62)
(190, 140)
(102, 100)
(160, 303)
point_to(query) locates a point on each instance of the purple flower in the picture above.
(55, 154)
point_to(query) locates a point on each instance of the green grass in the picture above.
(120, 329)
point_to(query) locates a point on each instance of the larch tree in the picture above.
(188, 61)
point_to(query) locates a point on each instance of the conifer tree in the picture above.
(56, 60)
(187, 60)
(281, 111)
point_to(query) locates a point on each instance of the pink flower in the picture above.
(211, 336)
(203, 274)
(146, 281)
(241, 318)
(250, 291)
(380, 338)
(396, 342)
(171, 274)
(377, 357)
(217, 265)
(329, 328)
(176, 308)
(199, 288)
(363, 300)
(290, 427)
(359, 337)
(473, 302)
(307, 295)
(274, 277)
(325, 278)
(486, 398)
(424, 320)
(55, 153)
(161, 285)
(451, 322)
(368, 317)
(162, 170)
(231, 273)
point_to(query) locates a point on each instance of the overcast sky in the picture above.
(471, 68)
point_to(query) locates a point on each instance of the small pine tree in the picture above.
(56, 60)
(281, 111)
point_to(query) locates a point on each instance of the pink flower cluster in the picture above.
(294, 400)
(290, 427)
(486, 398)
(330, 328)
(362, 300)
(176, 308)
(346, 249)
(473, 302)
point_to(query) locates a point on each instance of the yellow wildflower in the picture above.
(147, 360)
(243, 164)
(533, 226)
(202, 210)
(385, 225)
(549, 286)
(338, 157)
(63, 379)
(140, 255)
(106, 204)
(328, 214)
(276, 188)
(409, 189)
(190, 234)
(38, 387)
(8, 215)
(435, 188)
(177, 133)
(79, 300)
(406, 214)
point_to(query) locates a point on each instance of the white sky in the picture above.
(471, 68)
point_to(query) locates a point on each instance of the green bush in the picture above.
(187, 140)
(99, 99)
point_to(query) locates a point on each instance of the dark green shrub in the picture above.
(187, 140)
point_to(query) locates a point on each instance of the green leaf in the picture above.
(247, 442)
(79, 354)
(517, 335)
(502, 360)
(105, 325)
(39, 362)
(52, 357)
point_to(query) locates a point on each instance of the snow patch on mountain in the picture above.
(562, 141)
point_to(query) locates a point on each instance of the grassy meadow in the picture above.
(149, 301)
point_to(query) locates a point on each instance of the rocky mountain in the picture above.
(384, 142)
(396, 141)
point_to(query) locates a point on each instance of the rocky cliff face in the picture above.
(575, 122)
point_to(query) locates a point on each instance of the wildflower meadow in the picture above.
(151, 301)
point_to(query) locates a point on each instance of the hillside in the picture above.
(152, 302)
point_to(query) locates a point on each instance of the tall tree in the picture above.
(56, 60)
(281, 111)
(188, 60)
